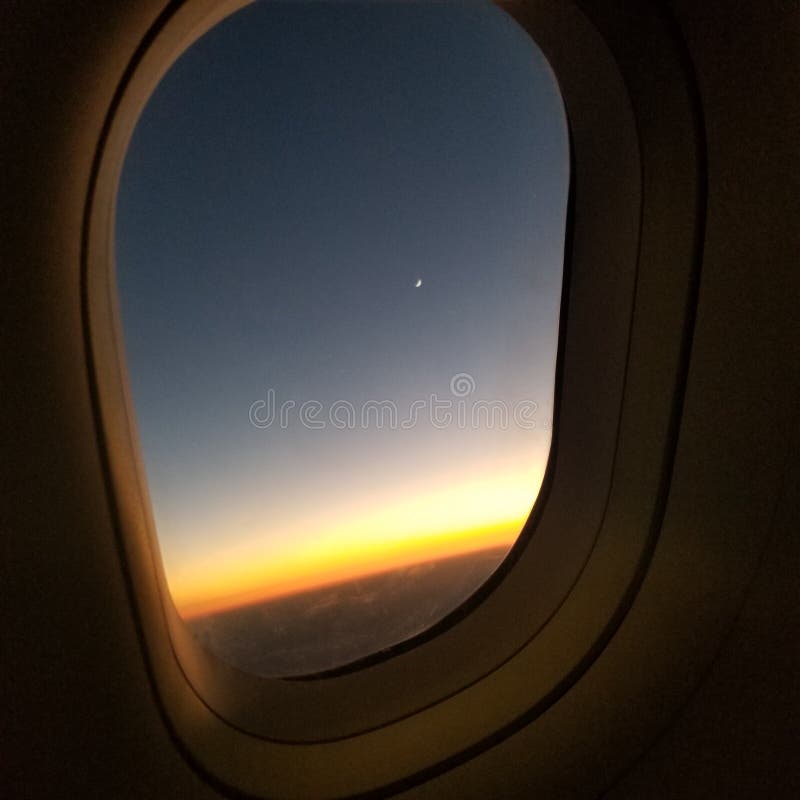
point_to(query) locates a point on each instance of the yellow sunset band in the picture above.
(298, 574)
(393, 537)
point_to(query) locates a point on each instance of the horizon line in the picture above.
(193, 610)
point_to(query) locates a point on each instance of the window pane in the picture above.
(340, 236)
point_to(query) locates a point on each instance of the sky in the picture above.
(325, 209)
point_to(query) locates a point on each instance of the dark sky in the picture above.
(295, 173)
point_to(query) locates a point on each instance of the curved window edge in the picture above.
(191, 717)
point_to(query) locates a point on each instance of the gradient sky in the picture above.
(294, 175)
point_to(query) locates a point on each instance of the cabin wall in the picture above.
(79, 714)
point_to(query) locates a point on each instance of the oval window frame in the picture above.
(245, 733)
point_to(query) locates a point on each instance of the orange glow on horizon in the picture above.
(456, 521)
(296, 575)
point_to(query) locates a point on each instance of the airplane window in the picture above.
(339, 251)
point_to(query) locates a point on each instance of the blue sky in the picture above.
(295, 173)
